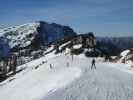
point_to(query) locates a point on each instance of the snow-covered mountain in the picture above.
(36, 33)
(114, 45)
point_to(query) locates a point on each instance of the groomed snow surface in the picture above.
(69, 80)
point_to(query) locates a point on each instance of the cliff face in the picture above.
(51, 32)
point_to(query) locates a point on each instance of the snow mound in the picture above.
(124, 53)
(77, 46)
(127, 56)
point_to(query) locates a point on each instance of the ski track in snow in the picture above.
(104, 83)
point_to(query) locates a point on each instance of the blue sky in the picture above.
(104, 17)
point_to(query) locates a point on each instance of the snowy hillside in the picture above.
(20, 35)
(58, 77)
(38, 78)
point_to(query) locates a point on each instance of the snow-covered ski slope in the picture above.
(107, 82)
(69, 80)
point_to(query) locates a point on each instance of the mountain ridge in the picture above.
(35, 34)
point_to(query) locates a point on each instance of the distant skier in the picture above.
(93, 64)
(51, 67)
(72, 56)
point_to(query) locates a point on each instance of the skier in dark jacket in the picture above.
(93, 64)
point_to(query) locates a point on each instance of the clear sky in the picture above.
(104, 17)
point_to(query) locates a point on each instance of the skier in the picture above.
(93, 64)
(51, 67)
(72, 56)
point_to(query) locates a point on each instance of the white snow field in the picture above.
(69, 80)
